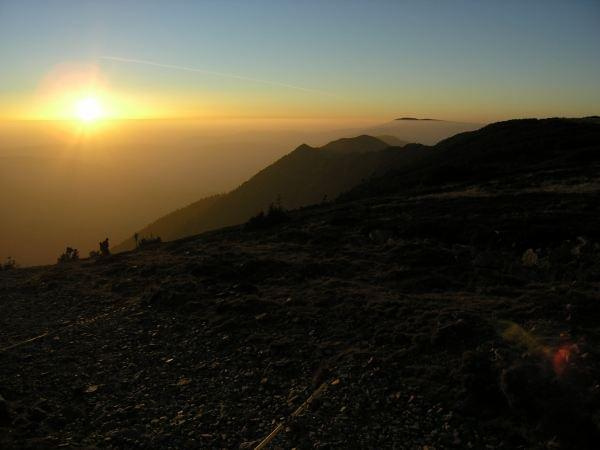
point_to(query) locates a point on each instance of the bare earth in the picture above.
(421, 312)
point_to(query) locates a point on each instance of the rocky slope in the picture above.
(444, 315)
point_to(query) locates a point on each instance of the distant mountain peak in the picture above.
(303, 147)
(303, 177)
(359, 144)
(414, 118)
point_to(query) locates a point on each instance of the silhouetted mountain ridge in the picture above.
(365, 165)
(360, 144)
(415, 118)
(303, 177)
(499, 149)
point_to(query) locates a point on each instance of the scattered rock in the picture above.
(529, 258)
(456, 332)
(37, 414)
(91, 389)
(4, 411)
(184, 381)
(578, 248)
(381, 236)
(418, 357)
(488, 260)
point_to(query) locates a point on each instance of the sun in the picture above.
(88, 109)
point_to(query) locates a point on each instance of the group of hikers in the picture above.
(72, 254)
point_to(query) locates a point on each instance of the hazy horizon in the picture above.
(115, 113)
(466, 61)
(65, 185)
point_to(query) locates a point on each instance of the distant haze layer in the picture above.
(64, 185)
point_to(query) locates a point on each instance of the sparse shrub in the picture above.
(147, 241)
(104, 247)
(9, 264)
(70, 254)
(275, 215)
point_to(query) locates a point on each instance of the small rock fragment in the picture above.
(91, 389)
(184, 381)
(529, 258)
(4, 411)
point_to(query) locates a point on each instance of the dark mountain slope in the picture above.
(517, 143)
(506, 148)
(460, 315)
(308, 175)
(432, 329)
(303, 177)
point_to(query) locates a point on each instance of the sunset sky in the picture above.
(461, 60)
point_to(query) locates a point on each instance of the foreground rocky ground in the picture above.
(462, 317)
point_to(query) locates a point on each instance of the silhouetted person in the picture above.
(136, 237)
(70, 254)
(104, 250)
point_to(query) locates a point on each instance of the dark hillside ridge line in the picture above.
(355, 166)
(499, 149)
(306, 176)
(359, 144)
(414, 118)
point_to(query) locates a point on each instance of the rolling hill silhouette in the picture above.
(359, 144)
(309, 175)
(558, 147)
(305, 176)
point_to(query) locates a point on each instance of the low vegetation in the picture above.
(148, 241)
(9, 264)
(275, 215)
(70, 254)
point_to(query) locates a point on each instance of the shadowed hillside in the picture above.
(305, 176)
(551, 148)
(122, 175)
(309, 175)
(457, 312)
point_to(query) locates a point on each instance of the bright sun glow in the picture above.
(88, 109)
